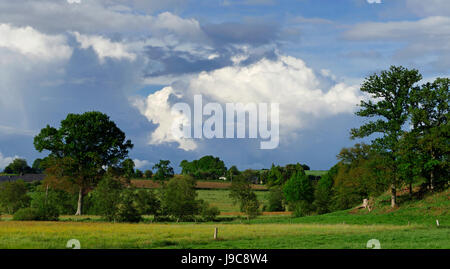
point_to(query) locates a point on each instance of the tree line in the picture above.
(407, 122)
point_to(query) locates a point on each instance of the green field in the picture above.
(222, 200)
(316, 172)
(412, 225)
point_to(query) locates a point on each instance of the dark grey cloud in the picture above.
(242, 33)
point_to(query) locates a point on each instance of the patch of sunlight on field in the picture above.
(222, 200)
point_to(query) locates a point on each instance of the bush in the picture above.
(115, 203)
(107, 198)
(63, 201)
(147, 203)
(242, 193)
(298, 188)
(13, 196)
(45, 213)
(28, 213)
(126, 209)
(300, 208)
(207, 212)
(179, 198)
(323, 194)
(276, 198)
(148, 174)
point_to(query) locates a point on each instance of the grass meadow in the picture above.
(411, 226)
(54, 235)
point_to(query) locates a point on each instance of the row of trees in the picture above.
(112, 199)
(411, 121)
(20, 166)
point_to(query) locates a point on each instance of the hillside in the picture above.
(424, 211)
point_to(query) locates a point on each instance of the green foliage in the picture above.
(207, 167)
(207, 212)
(64, 202)
(276, 199)
(298, 188)
(163, 170)
(299, 193)
(179, 198)
(242, 193)
(127, 210)
(127, 168)
(323, 194)
(38, 166)
(13, 196)
(361, 173)
(26, 214)
(107, 198)
(300, 208)
(18, 166)
(427, 144)
(148, 174)
(115, 203)
(42, 213)
(82, 146)
(147, 202)
(232, 172)
(278, 175)
(251, 176)
(393, 91)
(138, 174)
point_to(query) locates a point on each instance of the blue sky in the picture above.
(134, 59)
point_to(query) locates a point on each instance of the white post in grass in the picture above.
(437, 223)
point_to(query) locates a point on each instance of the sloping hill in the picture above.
(424, 211)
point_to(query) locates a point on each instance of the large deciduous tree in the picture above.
(83, 146)
(390, 99)
(430, 134)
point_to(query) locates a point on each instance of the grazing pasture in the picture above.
(54, 235)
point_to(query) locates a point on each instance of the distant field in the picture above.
(142, 183)
(222, 200)
(316, 172)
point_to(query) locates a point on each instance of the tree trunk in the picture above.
(80, 202)
(393, 196)
(410, 190)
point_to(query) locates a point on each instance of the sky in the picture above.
(133, 60)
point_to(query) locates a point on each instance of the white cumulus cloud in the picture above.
(104, 47)
(5, 161)
(33, 44)
(139, 164)
(287, 81)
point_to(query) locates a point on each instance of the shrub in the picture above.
(298, 188)
(28, 213)
(126, 209)
(115, 203)
(63, 201)
(242, 193)
(148, 174)
(300, 208)
(207, 212)
(107, 198)
(323, 194)
(276, 198)
(13, 196)
(178, 198)
(147, 203)
(44, 213)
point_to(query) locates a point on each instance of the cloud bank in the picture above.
(286, 80)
